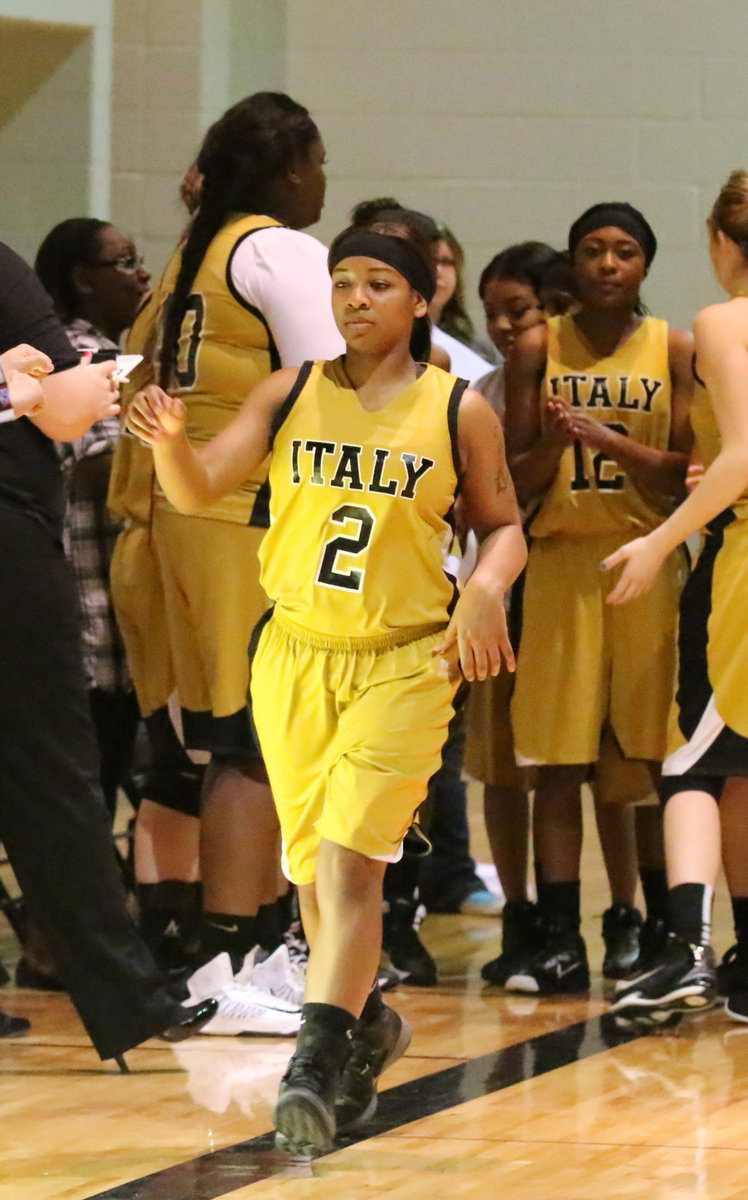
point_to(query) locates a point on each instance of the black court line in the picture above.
(222, 1171)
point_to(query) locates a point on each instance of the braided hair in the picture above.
(242, 156)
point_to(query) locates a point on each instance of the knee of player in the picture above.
(348, 873)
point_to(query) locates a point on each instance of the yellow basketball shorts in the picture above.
(583, 664)
(351, 732)
(489, 751)
(187, 596)
(489, 745)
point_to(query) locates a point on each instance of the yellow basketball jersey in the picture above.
(630, 391)
(360, 505)
(225, 349)
(706, 435)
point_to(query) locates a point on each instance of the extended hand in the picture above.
(25, 358)
(153, 416)
(641, 563)
(477, 633)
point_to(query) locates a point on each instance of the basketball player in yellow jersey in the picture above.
(598, 438)
(246, 291)
(705, 776)
(351, 684)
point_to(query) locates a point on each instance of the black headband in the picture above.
(622, 216)
(394, 251)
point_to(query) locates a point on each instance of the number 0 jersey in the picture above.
(360, 503)
(225, 349)
(631, 391)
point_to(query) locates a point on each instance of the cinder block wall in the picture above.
(503, 117)
(507, 118)
(156, 117)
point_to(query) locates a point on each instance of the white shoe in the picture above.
(277, 974)
(244, 1010)
(242, 1007)
(210, 979)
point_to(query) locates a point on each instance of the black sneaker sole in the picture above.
(303, 1122)
(687, 999)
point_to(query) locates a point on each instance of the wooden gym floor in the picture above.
(497, 1095)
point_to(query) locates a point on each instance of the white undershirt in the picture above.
(463, 361)
(283, 273)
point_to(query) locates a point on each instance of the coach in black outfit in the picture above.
(53, 821)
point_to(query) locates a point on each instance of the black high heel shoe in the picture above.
(195, 1016)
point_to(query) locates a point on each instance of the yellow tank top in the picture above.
(707, 438)
(631, 391)
(360, 505)
(225, 349)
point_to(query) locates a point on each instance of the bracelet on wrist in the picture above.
(6, 404)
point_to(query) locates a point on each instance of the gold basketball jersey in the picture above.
(630, 391)
(360, 505)
(707, 437)
(225, 349)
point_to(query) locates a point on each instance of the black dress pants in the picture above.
(53, 821)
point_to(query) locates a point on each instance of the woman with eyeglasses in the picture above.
(96, 281)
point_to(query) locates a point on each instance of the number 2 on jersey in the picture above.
(605, 480)
(350, 580)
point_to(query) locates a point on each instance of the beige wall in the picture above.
(503, 117)
(156, 116)
(506, 118)
(44, 176)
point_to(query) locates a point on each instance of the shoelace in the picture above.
(301, 1068)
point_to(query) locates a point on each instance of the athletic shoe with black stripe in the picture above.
(621, 930)
(523, 934)
(304, 1113)
(682, 980)
(560, 967)
(375, 1046)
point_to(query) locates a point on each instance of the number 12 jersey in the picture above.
(360, 504)
(631, 392)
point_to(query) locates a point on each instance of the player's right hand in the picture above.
(27, 359)
(154, 416)
(557, 423)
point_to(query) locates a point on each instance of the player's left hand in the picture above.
(477, 634)
(641, 561)
(27, 359)
(591, 433)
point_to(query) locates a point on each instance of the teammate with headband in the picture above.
(598, 439)
(356, 669)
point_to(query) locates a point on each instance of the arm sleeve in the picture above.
(283, 273)
(26, 313)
